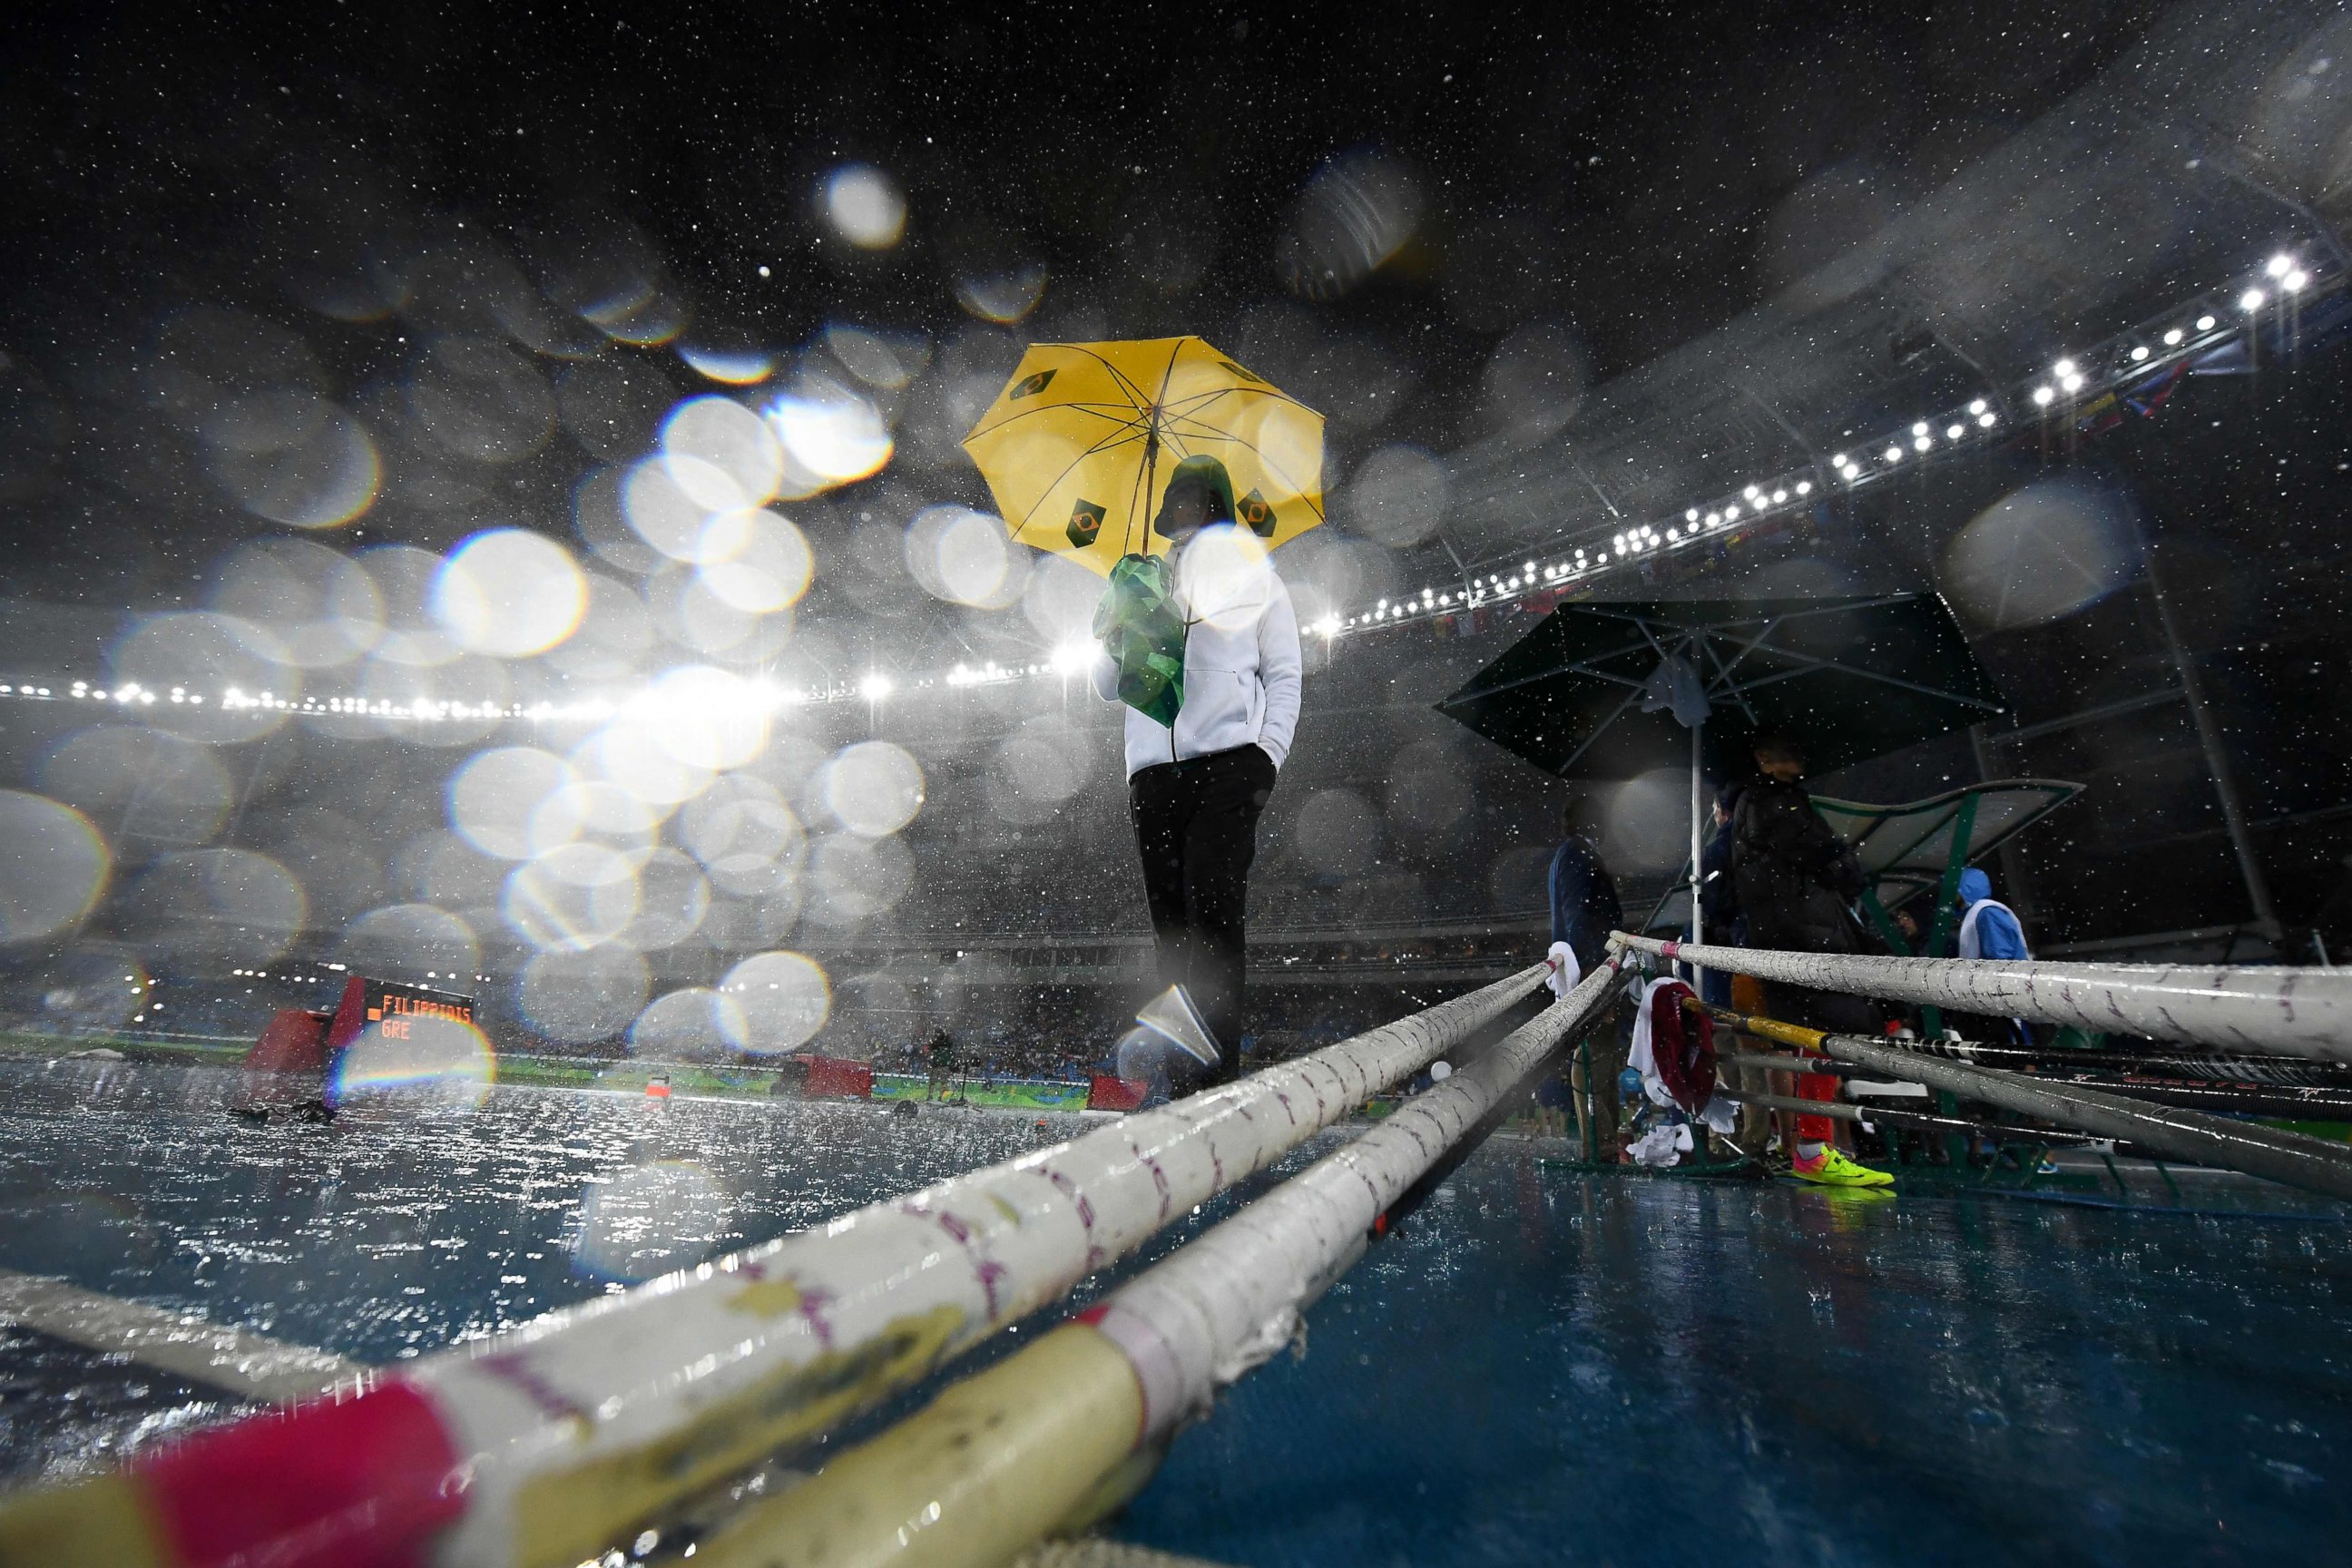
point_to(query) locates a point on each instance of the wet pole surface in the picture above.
(2257, 1007)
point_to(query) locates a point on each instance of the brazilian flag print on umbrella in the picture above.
(1080, 443)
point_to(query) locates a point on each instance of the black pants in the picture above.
(1196, 826)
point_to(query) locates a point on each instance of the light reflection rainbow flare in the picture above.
(415, 1062)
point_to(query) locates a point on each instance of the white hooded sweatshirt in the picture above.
(1242, 662)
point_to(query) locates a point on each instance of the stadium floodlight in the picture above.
(2277, 266)
(876, 687)
(2042, 396)
(2251, 299)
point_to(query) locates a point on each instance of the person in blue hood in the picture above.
(1989, 928)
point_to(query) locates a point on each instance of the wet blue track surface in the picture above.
(1553, 1366)
(1546, 1366)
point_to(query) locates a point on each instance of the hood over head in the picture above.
(1200, 474)
(1975, 887)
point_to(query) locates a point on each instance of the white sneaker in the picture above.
(1172, 1016)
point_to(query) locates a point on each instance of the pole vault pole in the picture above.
(1068, 1428)
(2314, 1164)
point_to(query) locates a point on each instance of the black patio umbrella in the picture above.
(1611, 690)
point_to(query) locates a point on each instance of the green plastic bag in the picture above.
(1141, 626)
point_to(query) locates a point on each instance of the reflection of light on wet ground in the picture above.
(410, 1065)
(378, 1236)
(647, 1220)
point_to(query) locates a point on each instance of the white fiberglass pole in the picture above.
(2305, 1012)
(1005, 1457)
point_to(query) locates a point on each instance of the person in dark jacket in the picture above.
(1796, 880)
(1718, 903)
(1584, 910)
(1584, 905)
(1718, 894)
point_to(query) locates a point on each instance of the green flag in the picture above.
(1141, 626)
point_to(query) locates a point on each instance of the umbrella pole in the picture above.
(1150, 472)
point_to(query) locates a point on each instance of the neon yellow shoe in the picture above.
(1832, 1168)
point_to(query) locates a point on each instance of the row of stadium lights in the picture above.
(2067, 379)
(2285, 280)
(322, 979)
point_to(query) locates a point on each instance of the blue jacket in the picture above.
(1584, 907)
(1998, 932)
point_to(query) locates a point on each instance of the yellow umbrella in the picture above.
(1079, 444)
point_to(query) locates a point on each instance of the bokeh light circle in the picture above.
(862, 206)
(577, 998)
(720, 455)
(874, 788)
(785, 1000)
(2045, 552)
(755, 562)
(572, 898)
(53, 870)
(695, 1023)
(510, 591)
(495, 798)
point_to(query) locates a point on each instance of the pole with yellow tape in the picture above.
(1051, 1439)
(2314, 1164)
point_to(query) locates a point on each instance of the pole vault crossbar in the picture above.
(2300, 1012)
(1057, 1436)
(543, 1445)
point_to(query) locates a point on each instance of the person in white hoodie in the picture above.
(1196, 787)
